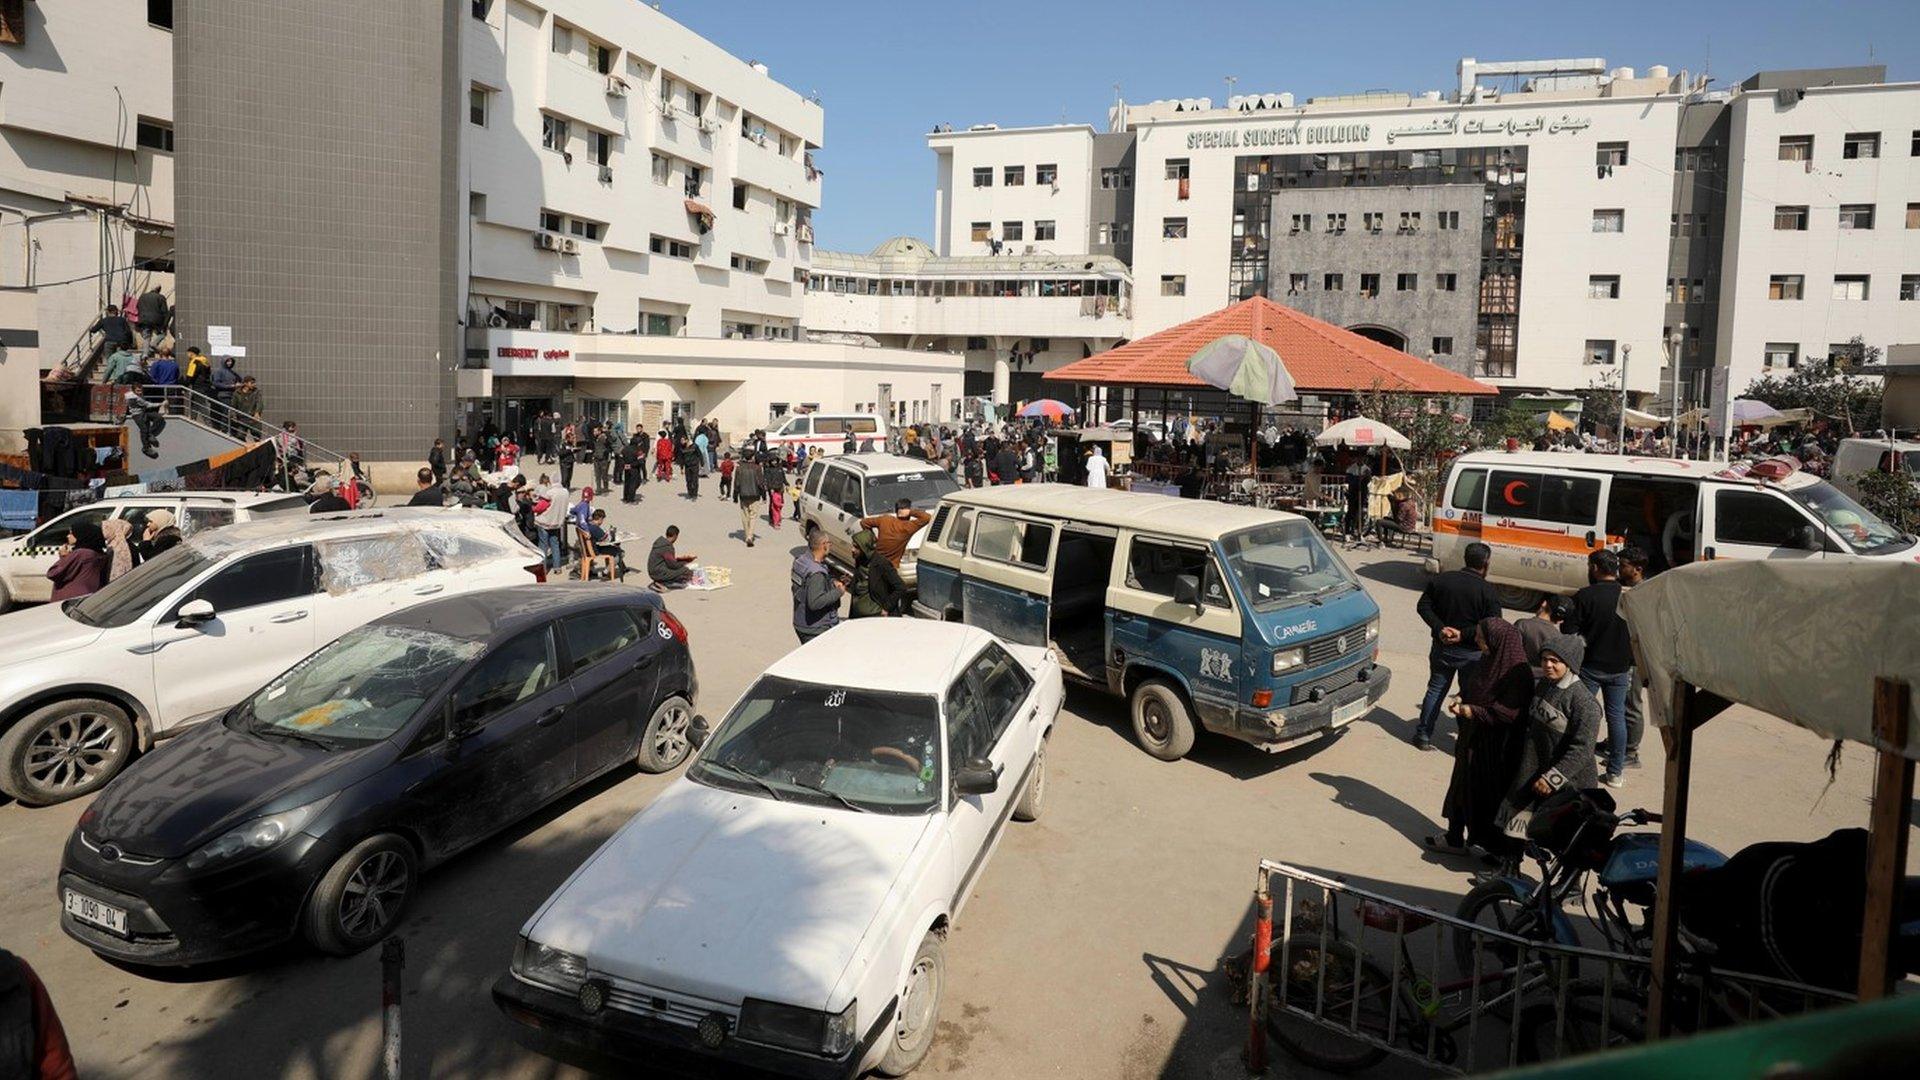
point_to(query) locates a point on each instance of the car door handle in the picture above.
(288, 617)
(428, 590)
(551, 716)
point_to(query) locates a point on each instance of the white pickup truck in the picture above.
(785, 905)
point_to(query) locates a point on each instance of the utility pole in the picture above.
(1231, 79)
(1620, 429)
(1675, 340)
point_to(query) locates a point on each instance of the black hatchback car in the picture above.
(311, 807)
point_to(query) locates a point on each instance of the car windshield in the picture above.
(833, 745)
(1857, 525)
(922, 489)
(1284, 563)
(133, 594)
(360, 689)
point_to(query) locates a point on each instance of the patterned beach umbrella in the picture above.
(1047, 407)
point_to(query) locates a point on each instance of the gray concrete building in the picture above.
(318, 209)
(1110, 201)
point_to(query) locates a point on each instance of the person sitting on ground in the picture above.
(893, 531)
(329, 500)
(666, 568)
(597, 545)
(429, 493)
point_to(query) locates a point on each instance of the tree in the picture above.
(1600, 403)
(1430, 424)
(1828, 390)
(1893, 497)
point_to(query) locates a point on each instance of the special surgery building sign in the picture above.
(1304, 134)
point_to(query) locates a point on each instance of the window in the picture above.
(1046, 174)
(270, 577)
(1014, 176)
(1173, 284)
(1849, 286)
(1603, 287)
(1599, 350)
(1755, 517)
(662, 169)
(1300, 223)
(1369, 285)
(1103, 233)
(1861, 144)
(1609, 155)
(1844, 355)
(1443, 346)
(1790, 219)
(1609, 221)
(1470, 491)
(961, 528)
(602, 58)
(1796, 148)
(1406, 282)
(601, 143)
(1114, 178)
(1448, 220)
(1913, 148)
(1044, 230)
(739, 196)
(160, 14)
(1012, 230)
(562, 38)
(696, 102)
(586, 230)
(518, 670)
(655, 324)
(1336, 223)
(154, 134)
(1296, 284)
(1856, 215)
(976, 343)
(1573, 500)
(672, 249)
(553, 132)
(1123, 232)
(1913, 215)
(1782, 354)
(1010, 540)
(553, 222)
(748, 264)
(1786, 286)
(983, 177)
(782, 210)
(1910, 286)
(477, 205)
(696, 181)
(477, 98)
(1446, 282)
(1173, 228)
(1333, 283)
(13, 22)
(597, 635)
(1154, 565)
(982, 231)
(1373, 221)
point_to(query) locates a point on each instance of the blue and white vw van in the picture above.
(1200, 614)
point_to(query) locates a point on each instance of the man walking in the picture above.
(1595, 617)
(893, 531)
(1096, 469)
(1452, 606)
(437, 460)
(113, 326)
(153, 312)
(1633, 570)
(747, 481)
(602, 457)
(816, 593)
(550, 517)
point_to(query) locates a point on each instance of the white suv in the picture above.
(840, 491)
(784, 906)
(87, 682)
(24, 560)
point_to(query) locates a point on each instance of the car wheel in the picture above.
(1034, 795)
(361, 896)
(64, 750)
(1517, 598)
(1161, 721)
(913, 1024)
(667, 740)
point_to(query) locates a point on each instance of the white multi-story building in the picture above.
(86, 161)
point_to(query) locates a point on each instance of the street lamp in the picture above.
(1674, 340)
(1620, 429)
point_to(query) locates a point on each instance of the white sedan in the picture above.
(785, 905)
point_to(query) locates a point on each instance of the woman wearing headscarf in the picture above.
(1562, 724)
(119, 552)
(82, 569)
(877, 587)
(160, 534)
(1493, 701)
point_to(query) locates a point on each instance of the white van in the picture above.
(1543, 513)
(826, 433)
(24, 560)
(1856, 456)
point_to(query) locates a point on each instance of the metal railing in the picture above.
(186, 403)
(1456, 995)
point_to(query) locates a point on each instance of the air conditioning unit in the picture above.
(606, 174)
(546, 240)
(569, 246)
(616, 87)
(666, 109)
(709, 125)
(781, 228)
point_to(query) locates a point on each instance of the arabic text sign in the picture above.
(1303, 134)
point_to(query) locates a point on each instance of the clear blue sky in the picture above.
(887, 72)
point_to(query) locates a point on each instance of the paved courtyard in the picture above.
(1088, 950)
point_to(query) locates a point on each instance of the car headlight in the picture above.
(1288, 659)
(1373, 629)
(557, 969)
(256, 836)
(793, 1028)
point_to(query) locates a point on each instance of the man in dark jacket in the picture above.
(816, 592)
(1452, 605)
(1005, 465)
(429, 493)
(666, 568)
(748, 482)
(113, 326)
(1595, 617)
(437, 460)
(154, 314)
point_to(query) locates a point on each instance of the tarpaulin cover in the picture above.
(1802, 639)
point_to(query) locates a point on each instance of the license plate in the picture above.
(1351, 711)
(97, 912)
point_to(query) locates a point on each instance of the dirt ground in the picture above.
(1090, 948)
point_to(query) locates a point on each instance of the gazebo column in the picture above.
(1002, 370)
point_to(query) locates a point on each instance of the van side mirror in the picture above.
(193, 614)
(1186, 590)
(976, 777)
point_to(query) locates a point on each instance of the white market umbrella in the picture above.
(1361, 431)
(1746, 412)
(1638, 419)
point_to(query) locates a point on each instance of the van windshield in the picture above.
(1284, 563)
(1857, 525)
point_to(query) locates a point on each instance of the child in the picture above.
(726, 475)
